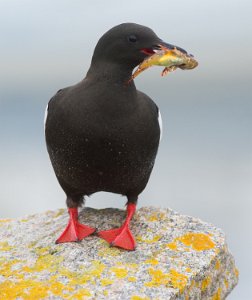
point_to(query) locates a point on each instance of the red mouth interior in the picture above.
(147, 51)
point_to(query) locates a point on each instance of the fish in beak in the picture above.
(169, 56)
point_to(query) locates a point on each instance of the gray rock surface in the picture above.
(177, 257)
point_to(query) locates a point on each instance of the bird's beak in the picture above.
(173, 47)
(167, 55)
(156, 47)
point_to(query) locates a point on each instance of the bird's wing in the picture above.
(57, 95)
(154, 108)
(160, 124)
(45, 116)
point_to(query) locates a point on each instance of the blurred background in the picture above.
(204, 165)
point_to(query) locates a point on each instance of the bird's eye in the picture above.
(132, 38)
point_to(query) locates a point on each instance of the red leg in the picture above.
(74, 231)
(121, 237)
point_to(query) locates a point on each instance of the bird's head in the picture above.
(128, 44)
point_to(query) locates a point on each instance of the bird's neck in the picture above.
(111, 73)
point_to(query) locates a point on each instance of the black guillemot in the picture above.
(102, 134)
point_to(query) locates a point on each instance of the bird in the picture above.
(102, 134)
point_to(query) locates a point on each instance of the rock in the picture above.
(177, 257)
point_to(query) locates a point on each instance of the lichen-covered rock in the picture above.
(177, 257)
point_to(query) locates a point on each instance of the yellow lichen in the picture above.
(131, 265)
(108, 251)
(158, 278)
(105, 293)
(192, 284)
(105, 282)
(205, 283)
(147, 241)
(5, 220)
(57, 287)
(217, 265)
(188, 291)
(42, 250)
(28, 289)
(236, 272)
(178, 280)
(135, 297)
(6, 267)
(198, 241)
(80, 295)
(217, 295)
(59, 213)
(47, 262)
(172, 279)
(97, 268)
(32, 244)
(80, 279)
(65, 272)
(226, 283)
(157, 216)
(172, 246)
(132, 279)
(24, 285)
(4, 246)
(119, 272)
(152, 261)
(38, 291)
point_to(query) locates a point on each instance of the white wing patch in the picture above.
(160, 125)
(45, 116)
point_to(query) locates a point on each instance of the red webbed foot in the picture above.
(74, 230)
(121, 237)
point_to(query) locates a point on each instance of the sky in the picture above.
(204, 164)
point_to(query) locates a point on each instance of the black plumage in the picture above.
(102, 134)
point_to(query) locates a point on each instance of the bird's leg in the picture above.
(121, 237)
(74, 230)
